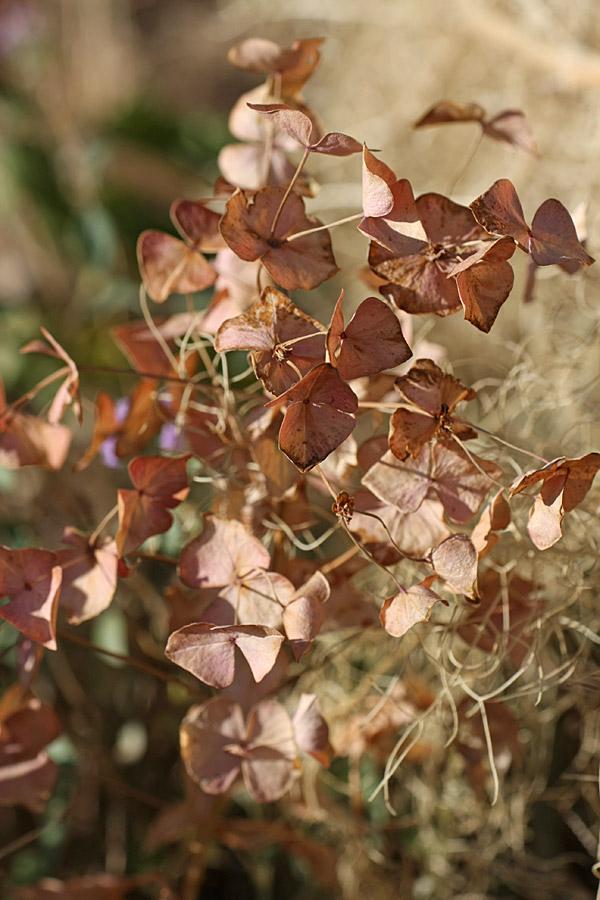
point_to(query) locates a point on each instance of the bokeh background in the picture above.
(110, 109)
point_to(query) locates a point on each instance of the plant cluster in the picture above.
(339, 488)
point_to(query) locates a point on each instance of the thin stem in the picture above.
(45, 382)
(289, 189)
(155, 331)
(130, 660)
(501, 440)
(99, 528)
(299, 234)
(115, 370)
(467, 158)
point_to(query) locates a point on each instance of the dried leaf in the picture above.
(318, 418)
(31, 578)
(372, 340)
(161, 483)
(208, 651)
(247, 226)
(311, 729)
(405, 609)
(455, 560)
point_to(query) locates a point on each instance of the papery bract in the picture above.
(565, 483)
(303, 614)
(68, 392)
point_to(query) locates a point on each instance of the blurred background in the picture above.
(110, 109)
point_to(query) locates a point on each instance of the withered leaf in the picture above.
(318, 418)
(564, 485)
(281, 339)
(247, 226)
(455, 560)
(161, 483)
(370, 342)
(208, 651)
(407, 608)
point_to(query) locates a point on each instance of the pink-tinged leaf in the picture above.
(499, 211)
(495, 518)
(303, 614)
(404, 484)
(256, 598)
(89, 575)
(161, 483)
(205, 734)
(28, 441)
(545, 520)
(311, 729)
(455, 560)
(208, 651)
(169, 266)
(553, 237)
(377, 182)
(372, 340)
(247, 226)
(511, 127)
(319, 417)
(335, 143)
(68, 392)
(407, 608)
(220, 554)
(294, 122)
(31, 578)
(244, 166)
(268, 766)
(484, 282)
(27, 775)
(564, 485)
(450, 111)
(198, 225)
(271, 329)
(461, 481)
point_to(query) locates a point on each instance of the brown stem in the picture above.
(289, 189)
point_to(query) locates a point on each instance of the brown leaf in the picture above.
(318, 418)
(169, 266)
(450, 111)
(247, 226)
(161, 483)
(31, 578)
(89, 575)
(208, 651)
(455, 560)
(372, 340)
(407, 608)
